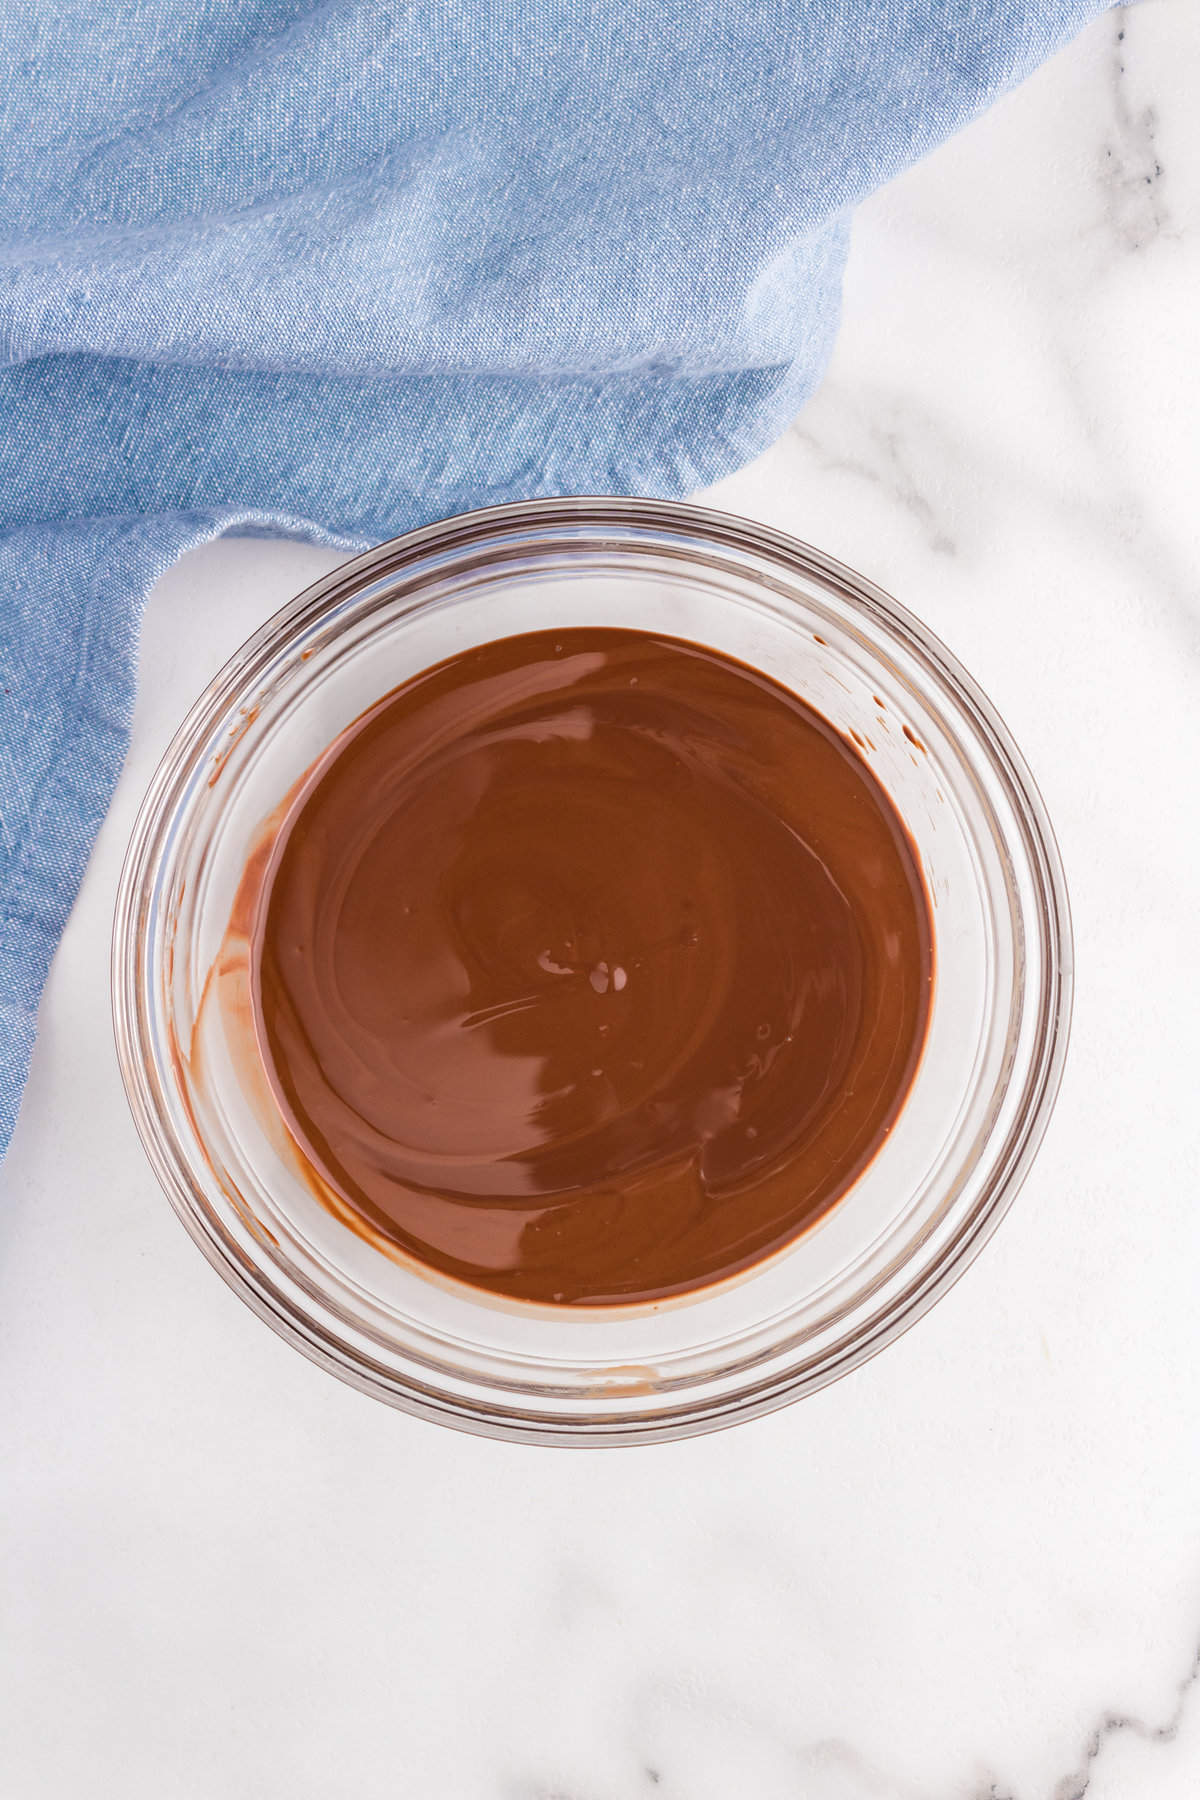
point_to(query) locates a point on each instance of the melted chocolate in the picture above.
(591, 967)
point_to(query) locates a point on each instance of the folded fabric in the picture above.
(342, 268)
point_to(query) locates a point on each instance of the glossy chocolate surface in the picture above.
(591, 967)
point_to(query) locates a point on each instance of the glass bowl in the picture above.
(844, 1288)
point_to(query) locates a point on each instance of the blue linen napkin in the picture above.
(336, 269)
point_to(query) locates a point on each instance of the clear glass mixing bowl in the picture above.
(916, 1216)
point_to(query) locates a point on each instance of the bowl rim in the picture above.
(130, 1003)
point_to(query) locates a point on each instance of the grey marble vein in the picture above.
(834, 1758)
(1131, 172)
(882, 456)
(1078, 1783)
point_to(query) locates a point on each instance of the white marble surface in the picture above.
(971, 1571)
